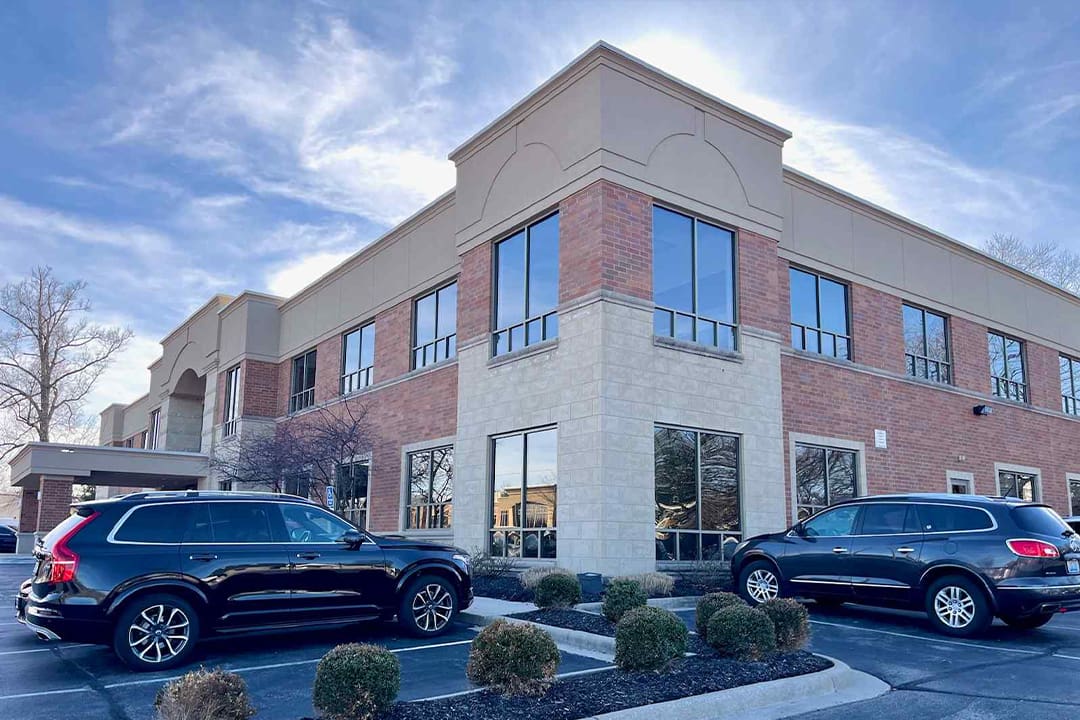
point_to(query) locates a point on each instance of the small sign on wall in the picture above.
(880, 439)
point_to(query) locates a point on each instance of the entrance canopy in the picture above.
(105, 465)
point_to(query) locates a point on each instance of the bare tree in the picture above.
(1047, 259)
(301, 456)
(51, 356)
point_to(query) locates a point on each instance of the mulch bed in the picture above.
(595, 624)
(510, 588)
(611, 690)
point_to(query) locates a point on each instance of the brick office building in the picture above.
(630, 334)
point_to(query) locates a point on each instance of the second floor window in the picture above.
(819, 315)
(1007, 378)
(232, 401)
(435, 327)
(152, 429)
(302, 393)
(693, 280)
(527, 287)
(357, 358)
(926, 345)
(1070, 385)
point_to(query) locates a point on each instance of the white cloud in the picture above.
(290, 278)
(127, 378)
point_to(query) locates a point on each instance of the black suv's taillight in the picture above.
(65, 561)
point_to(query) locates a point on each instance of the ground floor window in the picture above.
(1074, 495)
(1021, 485)
(823, 475)
(351, 492)
(431, 489)
(697, 494)
(961, 485)
(524, 494)
(298, 485)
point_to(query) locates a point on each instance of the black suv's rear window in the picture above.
(953, 518)
(1040, 520)
(153, 524)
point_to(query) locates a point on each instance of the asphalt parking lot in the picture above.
(87, 681)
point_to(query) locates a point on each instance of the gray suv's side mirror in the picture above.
(352, 538)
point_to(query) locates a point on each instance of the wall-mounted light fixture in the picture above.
(982, 410)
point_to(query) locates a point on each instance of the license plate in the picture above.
(1073, 566)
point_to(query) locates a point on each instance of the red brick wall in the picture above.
(759, 293)
(259, 389)
(55, 504)
(474, 294)
(393, 341)
(28, 510)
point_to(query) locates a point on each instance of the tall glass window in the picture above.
(1007, 377)
(1020, 485)
(232, 401)
(926, 345)
(1074, 496)
(823, 475)
(357, 358)
(153, 428)
(435, 327)
(351, 496)
(693, 280)
(698, 516)
(302, 393)
(819, 315)
(525, 480)
(431, 489)
(527, 287)
(1070, 385)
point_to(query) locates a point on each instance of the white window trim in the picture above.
(403, 504)
(829, 442)
(1008, 467)
(961, 475)
(1069, 477)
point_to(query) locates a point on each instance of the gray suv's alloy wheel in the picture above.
(957, 606)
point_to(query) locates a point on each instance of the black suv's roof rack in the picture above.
(155, 494)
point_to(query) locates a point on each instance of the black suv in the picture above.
(151, 573)
(964, 559)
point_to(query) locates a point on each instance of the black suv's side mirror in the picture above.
(799, 529)
(352, 538)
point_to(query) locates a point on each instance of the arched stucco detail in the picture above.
(191, 357)
(530, 173)
(689, 166)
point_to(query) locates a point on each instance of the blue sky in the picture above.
(167, 151)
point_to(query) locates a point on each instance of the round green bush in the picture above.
(557, 591)
(710, 604)
(649, 638)
(791, 621)
(202, 693)
(514, 658)
(742, 632)
(622, 596)
(356, 682)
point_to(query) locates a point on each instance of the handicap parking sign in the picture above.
(330, 496)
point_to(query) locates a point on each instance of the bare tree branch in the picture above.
(1053, 263)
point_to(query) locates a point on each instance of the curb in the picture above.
(17, 560)
(598, 647)
(768, 700)
(682, 602)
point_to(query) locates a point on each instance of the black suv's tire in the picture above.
(155, 632)
(958, 606)
(758, 582)
(427, 606)
(1028, 622)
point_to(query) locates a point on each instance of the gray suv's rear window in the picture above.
(153, 524)
(1040, 521)
(952, 518)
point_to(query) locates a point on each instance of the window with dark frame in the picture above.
(1020, 485)
(820, 313)
(430, 504)
(524, 496)
(527, 287)
(153, 428)
(1007, 376)
(435, 327)
(351, 490)
(1074, 496)
(926, 345)
(693, 280)
(357, 358)
(1070, 385)
(232, 402)
(302, 394)
(698, 513)
(823, 476)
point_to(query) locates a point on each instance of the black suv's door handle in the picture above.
(203, 557)
(308, 555)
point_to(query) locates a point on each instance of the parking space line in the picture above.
(45, 692)
(942, 641)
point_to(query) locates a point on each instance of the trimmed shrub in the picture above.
(649, 638)
(655, 584)
(515, 659)
(791, 622)
(557, 590)
(742, 632)
(622, 596)
(356, 682)
(204, 695)
(712, 603)
(532, 577)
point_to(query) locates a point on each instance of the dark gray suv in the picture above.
(964, 559)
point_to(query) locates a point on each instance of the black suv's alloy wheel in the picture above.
(427, 606)
(155, 632)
